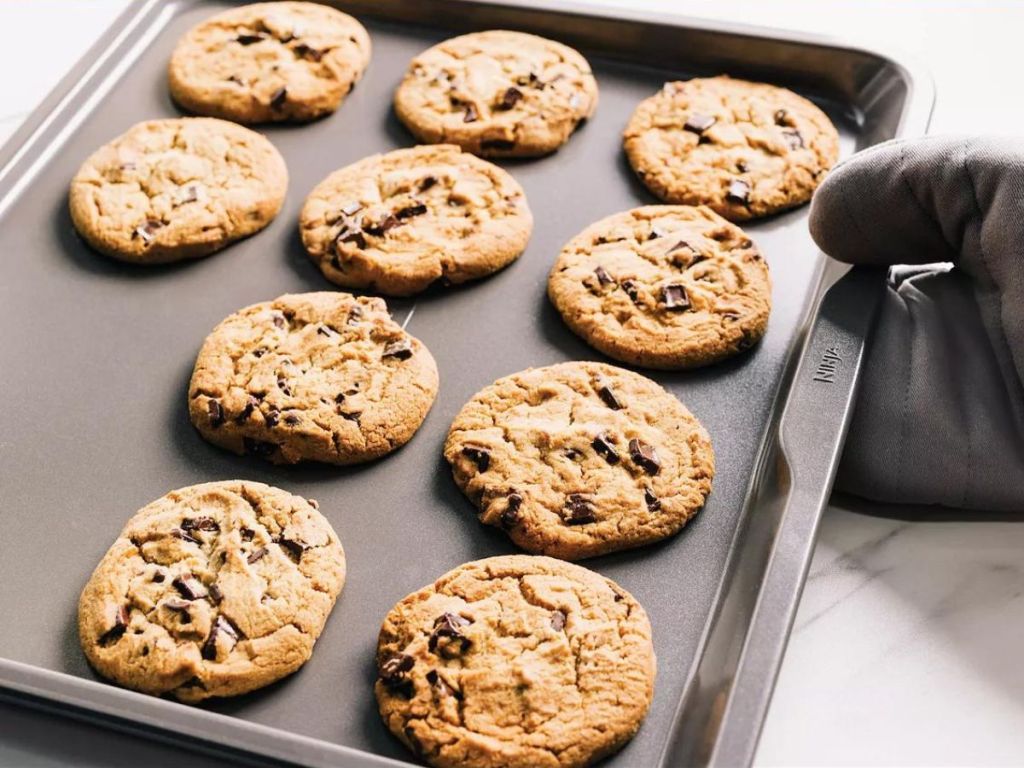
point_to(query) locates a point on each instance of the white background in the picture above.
(908, 646)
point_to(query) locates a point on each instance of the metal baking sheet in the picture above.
(96, 356)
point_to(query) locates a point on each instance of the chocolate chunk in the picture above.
(782, 117)
(739, 192)
(793, 139)
(682, 255)
(510, 98)
(470, 115)
(158, 578)
(272, 417)
(118, 626)
(247, 534)
(631, 290)
(400, 349)
(216, 412)
(146, 230)
(283, 385)
(279, 97)
(607, 394)
(257, 555)
(249, 39)
(502, 145)
(427, 182)
(557, 621)
(411, 210)
(185, 536)
(644, 456)
(292, 419)
(235, 79)
(603, 446)
(259, 448)
(180, 607)
(699, 123)
(350, 415)
(529, 79)
(293, 547)
(511, 514)
(447, 639)
(479, 456)
(199, 524)
(382, 227)
(572, 454)
(189, 587)
(187, 195)
(440, 688)
(741, 166)
(354, 315)
(675, 298)
(221, 626)
(323, 330)
(578, 510)
(279, 321)
(653, 502)
(392, 673)
(603, 277)
(304, 51)
(216, 595)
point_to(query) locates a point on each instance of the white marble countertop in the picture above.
(907, 646)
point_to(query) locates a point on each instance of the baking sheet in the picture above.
(96, 358)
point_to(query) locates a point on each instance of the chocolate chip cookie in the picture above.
(213, 590)
(400, 222)
(497, 93)
(516, 661)
(579, 459)
(312, 376)
(177, 189)
(744, 149)
(269, 62)
(663, 287)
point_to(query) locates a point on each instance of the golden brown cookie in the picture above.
(399, 222)
(663, 286)
(744, 149)
(516, 661)
(580, 459)
(269, 62)
(177, 189)
(312, 376)
(497, 93)
(212, 590)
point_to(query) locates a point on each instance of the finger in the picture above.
(924, 200)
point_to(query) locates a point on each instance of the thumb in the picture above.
(924, 200)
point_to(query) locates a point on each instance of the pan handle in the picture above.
(811, 435)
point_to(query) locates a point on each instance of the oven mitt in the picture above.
(940, 414)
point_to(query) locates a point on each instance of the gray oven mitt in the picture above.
(940, 416)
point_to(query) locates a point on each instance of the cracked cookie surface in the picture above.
(744, 149)
(497, 93)
(177, 189)
(663, 287)
(313, 376)
(212, 590)
(397, 223)
(580, 459)
(516, 661)
(269, 62)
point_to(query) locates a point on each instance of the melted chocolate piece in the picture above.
(216, 412)
(557, 621)
(199, 524)
(247, 534)
(479, 456)
(470, 115)
(644, 456)
(604, 447)
(447, 639)
(279, 97)
(578, 510)
(221, 626)
(292, 419)
(382, 227)
(412, 210)
(699, 123)
(189, 587)
(257, 555)
(631, 290)
(511, 514)
(117, 629)
(392, 671)
(247, 39)
(502, 145)
(293, 547)
(440, 688)
(427, 182)
(739, 192)
(653, 502)
(782, 117)
(146, 230)
(603, 278)
(510, 98)
(272, 417)
(675, 298)
(184, 536)
(304, 51)
(607, 395)
(400, 350)
(216, 595)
